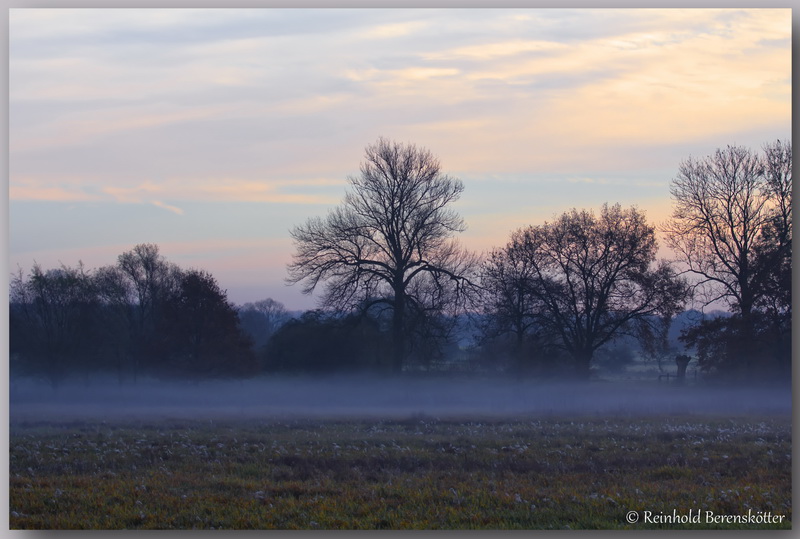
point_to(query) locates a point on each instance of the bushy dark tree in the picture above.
(200, 336)
(141, 316)
(394, 229)
(773, 249)
(325, 343)
(718, 343)
(538, 354)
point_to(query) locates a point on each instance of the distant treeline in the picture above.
(400, 294)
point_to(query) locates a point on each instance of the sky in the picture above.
(213, 132)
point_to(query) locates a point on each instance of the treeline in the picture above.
(400, 294)
(558, 293)
(141, 316)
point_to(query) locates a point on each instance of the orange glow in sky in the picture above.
(213, 132)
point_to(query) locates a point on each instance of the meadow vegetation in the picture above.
(417, 472)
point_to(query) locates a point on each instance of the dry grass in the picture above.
(583, 473)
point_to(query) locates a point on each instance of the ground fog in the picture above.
(379, 397)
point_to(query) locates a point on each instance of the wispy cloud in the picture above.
(275, 192)
(650, 60)
(76, 128)
(392, 30)
(28, 189)
(489, 51)
(168, 207)
(207, 190)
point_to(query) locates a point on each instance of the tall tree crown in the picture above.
(402, 197)
(393, 225)
(724, 206)
(390, 241)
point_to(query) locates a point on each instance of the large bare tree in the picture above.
(731, 227)
(391, 240)
(596, 277)
(720, 206)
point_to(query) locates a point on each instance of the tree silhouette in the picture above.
(150, 279)
(200, 336)
(143, 315)
(262, 319)
(773, 250)
(53, 320)
(116, 322)
(732, 228)
(509, 304)
(720, 207)
(393, 230)
(596, 277)
(319, 343)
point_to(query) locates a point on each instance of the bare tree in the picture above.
(732, 228)
(596, 277)
(150, 279)
(778, 171)
(53, 314)
(774, 248)
(720, 206)
(115, 295)
(509, 304)
(393, 228)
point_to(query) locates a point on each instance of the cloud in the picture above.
(600, 181)
(408, 75)
(31, 189)
(275, 192)
(651, 60)
(85, 126)
(91, 23)
(393, 30)
(168, 207)
(489, 51)
(143, 192)
(306, 191)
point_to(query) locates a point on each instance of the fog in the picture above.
(362, 396)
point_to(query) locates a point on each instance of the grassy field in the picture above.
(418, 472)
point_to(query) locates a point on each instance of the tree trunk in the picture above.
(747, 332)
(682, 361)
(520, 352)
(583, 364)
(398, 333)
(747, 346)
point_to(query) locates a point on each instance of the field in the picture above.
(418, 471)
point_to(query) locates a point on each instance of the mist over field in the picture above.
(400, 269)
(364, 396)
